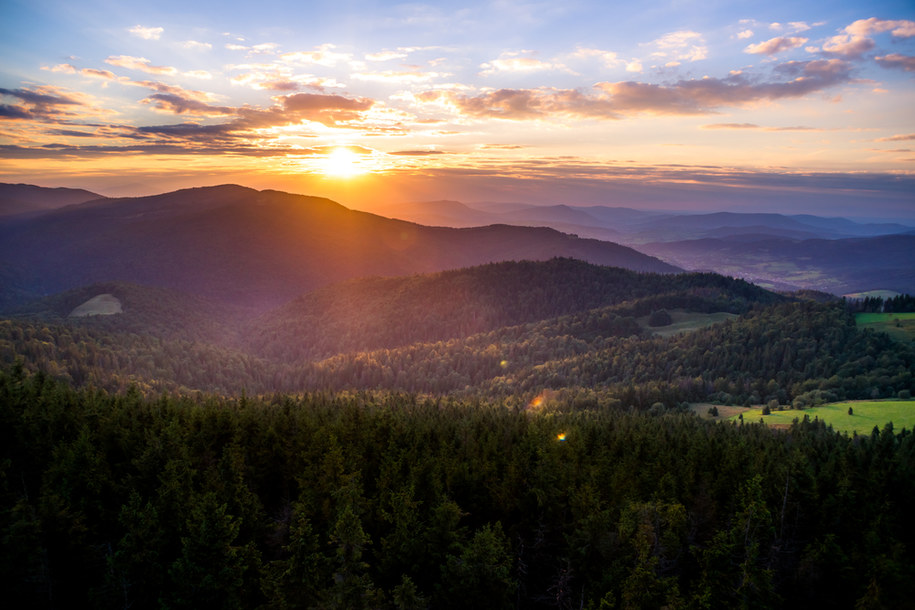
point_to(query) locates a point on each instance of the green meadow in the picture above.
(684, 322)
(899, 326)
(865, 415)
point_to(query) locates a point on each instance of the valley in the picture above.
(258, 399)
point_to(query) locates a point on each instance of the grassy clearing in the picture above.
(724, 411)
(684, 322)
(899, 326)
(867, 414)
(101, 305)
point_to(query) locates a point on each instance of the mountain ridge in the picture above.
(260, 248)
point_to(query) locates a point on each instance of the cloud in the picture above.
(139, 63)
(203, 74)
(197, 46)
(526, 104)
(706, 95)
(330, 110)
(731, 126)
(323, 55)
(512, 61)
(846, 45)
(798, 26)
(42, 103)
(897, 138)
(614, 100)
(775, 45)
(400, 77)
(277, 77)
(146, 33)
(681, 45)
(744, 34)
(8, 111)
(760, 127)
(385, 55)
(897, 61)
(866, 27)
(178, 104)
(416, 153)
(855, 41)
(90, 72)
(634, 66)
(608, 58)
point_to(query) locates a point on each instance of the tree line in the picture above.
(387, 500)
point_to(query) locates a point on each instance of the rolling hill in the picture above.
(27, 198)
(258, 248)
(373, 313)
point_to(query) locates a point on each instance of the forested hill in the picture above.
(390, 312)
(257, 248)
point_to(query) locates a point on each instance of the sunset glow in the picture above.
(750, 106)
(342, 163)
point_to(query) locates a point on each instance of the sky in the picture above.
(725, 105)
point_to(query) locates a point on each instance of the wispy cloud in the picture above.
(196, 46)
(608, 58)
(682, 45)
(385, 55)
(897, 138)
(323, 55)
(400, 77)
(178, 104)
(146, 33)
(759, 127)
(139, 63)
(518, 61)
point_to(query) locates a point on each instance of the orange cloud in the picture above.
(775, 45)
(615, 100)
(139, 63)
(43, 103)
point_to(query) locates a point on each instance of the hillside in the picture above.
(154, 458)
(259, 248)
(390, 312)
(26, 198)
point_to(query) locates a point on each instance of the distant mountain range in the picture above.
(256, 248)
(26, 198)
(779, 251)
(260, 249)
(632, 227)
(839, 266)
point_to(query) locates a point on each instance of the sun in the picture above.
(342, 163)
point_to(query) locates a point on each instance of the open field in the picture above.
(724, 411)
(866, 415)
(899, 326)
(684, 322)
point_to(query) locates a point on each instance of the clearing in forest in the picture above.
(865, 415)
